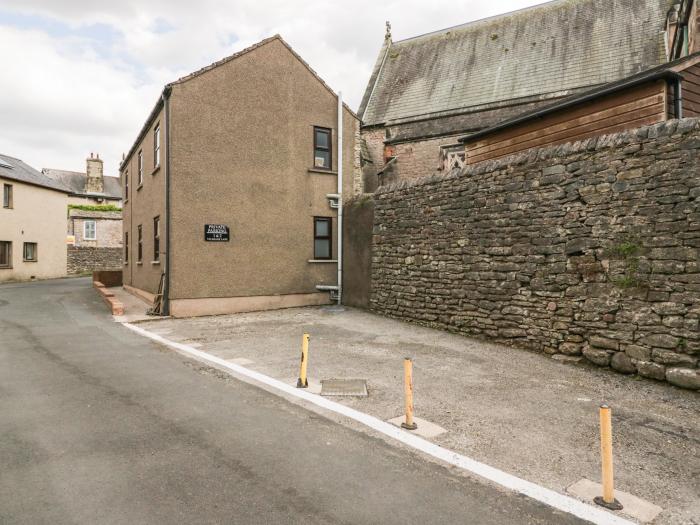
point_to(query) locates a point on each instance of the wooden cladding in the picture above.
(691, 91)
(638, 106)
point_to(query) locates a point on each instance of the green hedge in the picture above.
(95, 207)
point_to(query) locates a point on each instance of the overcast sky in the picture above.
(81, 76)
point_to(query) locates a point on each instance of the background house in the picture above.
(428, 91)
(231, 187)
(32, 223)
(94, 217)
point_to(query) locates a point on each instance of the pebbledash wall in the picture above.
(590, 248)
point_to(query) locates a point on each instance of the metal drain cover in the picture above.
(344, 387)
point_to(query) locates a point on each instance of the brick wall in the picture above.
(588, 249)
(414, 159)
(83, 259)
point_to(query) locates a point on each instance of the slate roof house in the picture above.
(32, 223)
(232, 187)
(427, 92)
(95, 236)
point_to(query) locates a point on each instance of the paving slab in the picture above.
(634, 507)
(425, 428)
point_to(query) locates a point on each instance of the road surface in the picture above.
(99, 425)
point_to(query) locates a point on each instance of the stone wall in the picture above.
(86, 259)
(588, 249)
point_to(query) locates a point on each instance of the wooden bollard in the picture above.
(303, 382)
(408, 394)
(607, 500)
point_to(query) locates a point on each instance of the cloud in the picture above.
(89, 71)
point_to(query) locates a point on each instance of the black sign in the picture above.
(216, 232)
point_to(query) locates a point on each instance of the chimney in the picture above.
(94, 182)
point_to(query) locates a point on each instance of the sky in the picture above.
(81, 76)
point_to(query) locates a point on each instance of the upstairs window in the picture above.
(90, 230)
(7, 195)
(323, 228)
(126, 185)
(140, 167)
(322, 148)
(5, 254)
(156, 239)
(156, 146)
(30, 252)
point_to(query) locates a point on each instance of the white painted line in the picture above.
(544, 495)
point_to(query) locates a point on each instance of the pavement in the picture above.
(522, 412)
(100, 425)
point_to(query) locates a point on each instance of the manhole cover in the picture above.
(344, 387)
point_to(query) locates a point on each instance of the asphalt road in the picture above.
(98, 425)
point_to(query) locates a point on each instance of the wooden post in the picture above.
(608, 499)
(408, 394)
(303, 382)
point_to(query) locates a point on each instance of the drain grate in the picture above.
(344, 387)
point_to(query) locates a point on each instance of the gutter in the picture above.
(665, 74)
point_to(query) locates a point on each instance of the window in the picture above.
(451, 157)
(156, 239)
(126, 185)
(5, 254)
(139, 245)
(126, 247)
(90, 230)
(7, 195)
(140, 167)
(322, 148)
(322, 237)
(156, 146)
(29, 254)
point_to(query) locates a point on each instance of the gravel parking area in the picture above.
(522, 412)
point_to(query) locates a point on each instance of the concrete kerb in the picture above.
(394, 434)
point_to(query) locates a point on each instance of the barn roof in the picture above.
(539, 53)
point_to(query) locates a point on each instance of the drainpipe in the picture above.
(340, 197)
(678, 98)
(166, 284)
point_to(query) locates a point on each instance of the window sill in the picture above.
(126, 200)
(7, 207)
(155, 170)
(155, 263)
(5, 267)
(139, 263)
(319, 261)
(138, 188)
(126, 263)
(323, 171)
(30, 260)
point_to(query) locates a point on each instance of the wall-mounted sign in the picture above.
(216, 232)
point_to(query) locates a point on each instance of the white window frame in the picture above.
(85, 230)
(156, 146)
(140, 167)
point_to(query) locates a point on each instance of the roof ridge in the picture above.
(480, 20)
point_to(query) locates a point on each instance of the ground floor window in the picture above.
(156, 239)
(90, 230)
(139, 245)
(322, 237)
(5, 254)
(126, 247)
(30, 252)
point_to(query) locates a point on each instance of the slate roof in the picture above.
(546, 51)
(22, 172)
(74, 181)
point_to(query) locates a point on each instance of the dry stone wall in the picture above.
(84, 259)
(588, 249)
